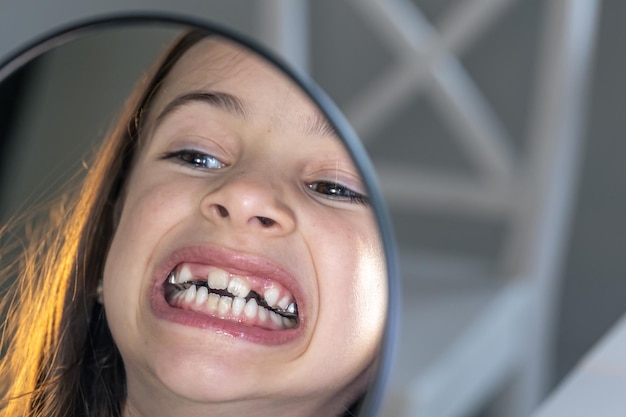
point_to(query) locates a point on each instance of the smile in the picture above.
(249, 300)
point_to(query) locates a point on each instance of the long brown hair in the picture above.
(59, 358)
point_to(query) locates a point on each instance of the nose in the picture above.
(249, 204)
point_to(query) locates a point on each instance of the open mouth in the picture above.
(218, 293)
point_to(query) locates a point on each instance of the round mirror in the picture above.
(189, 227)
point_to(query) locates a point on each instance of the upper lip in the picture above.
(235, 262)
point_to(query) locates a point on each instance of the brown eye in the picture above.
(337, 191)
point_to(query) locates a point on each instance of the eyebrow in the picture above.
(316, 125)
(222, 101)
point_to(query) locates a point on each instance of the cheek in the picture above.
(149, 211)
(353, 290)
(366, 283)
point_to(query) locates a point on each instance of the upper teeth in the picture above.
(218, 279)
(238, 287)
(184, 275)
(271, 296)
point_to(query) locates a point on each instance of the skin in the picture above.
(329, 247)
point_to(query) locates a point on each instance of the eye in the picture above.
(195, 159)
(337, 191)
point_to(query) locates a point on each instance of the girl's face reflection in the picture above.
(246, 269)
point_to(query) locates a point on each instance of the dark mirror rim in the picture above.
(81, 27)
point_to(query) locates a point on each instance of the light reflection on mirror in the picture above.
(222, 254)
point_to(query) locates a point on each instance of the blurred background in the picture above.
(494, 126)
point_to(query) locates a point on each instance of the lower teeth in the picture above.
(224, 304)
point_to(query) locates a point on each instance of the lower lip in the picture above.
(251, 334)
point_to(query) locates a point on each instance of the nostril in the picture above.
(265, 221)
(222, 211)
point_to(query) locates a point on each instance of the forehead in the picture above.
(215, 60)
(220, 65)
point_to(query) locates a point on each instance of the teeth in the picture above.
(224, 305)
(271, 296)
(239, 303)
(278, 308)
(284, 302)
(202, 294)
(190, 294)
(184, 275)
(277, 319)
(251, 309)
(213, 301)
(218, 279)
(238, 287)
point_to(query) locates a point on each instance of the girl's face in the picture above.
(246, 272)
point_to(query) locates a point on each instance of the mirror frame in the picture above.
(82, 27)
